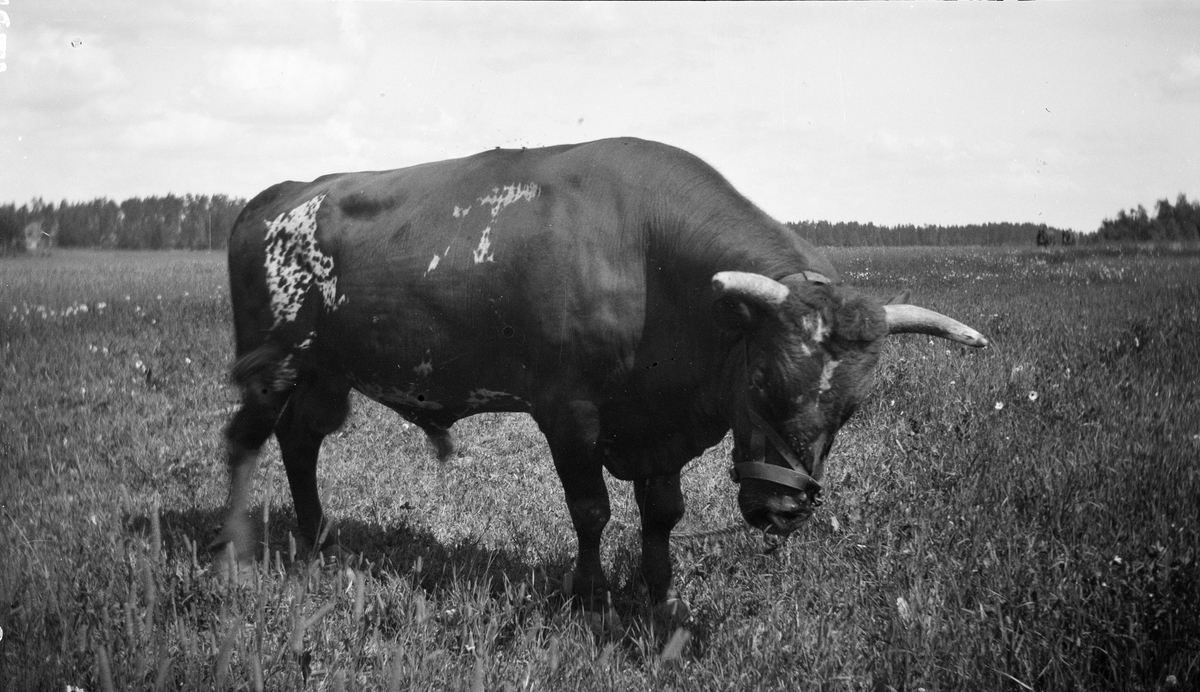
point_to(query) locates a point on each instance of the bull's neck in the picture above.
(700, 227)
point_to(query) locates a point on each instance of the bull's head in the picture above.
(805, 360)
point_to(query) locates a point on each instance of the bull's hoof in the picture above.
(606, 625)
(331, 553)
(672, 613)
(337, 555)
(230, 569)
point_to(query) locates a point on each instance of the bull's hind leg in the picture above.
(318, 406)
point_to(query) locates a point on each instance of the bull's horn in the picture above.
(755, 287)
(911, 319)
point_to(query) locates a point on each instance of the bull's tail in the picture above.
(264, 371)
(266, 377)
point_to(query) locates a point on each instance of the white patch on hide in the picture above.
(501, 198)
(481, 253)
(433, 263)
(816, 327)
(294, 263)
(394, 395)
(424, 368)
(459, 212)
(498, 200)
(482, 397)
(827, 375)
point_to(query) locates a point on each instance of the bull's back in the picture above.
(470, 279)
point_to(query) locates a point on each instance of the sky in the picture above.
(893, 113)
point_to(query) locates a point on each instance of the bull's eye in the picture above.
(758, 380)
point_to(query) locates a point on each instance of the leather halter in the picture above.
(794, 476)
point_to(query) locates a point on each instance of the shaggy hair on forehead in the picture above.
(858, 318)
(851, 316)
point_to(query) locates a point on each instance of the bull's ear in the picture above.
(743, 299)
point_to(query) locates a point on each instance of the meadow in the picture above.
(1025, 517)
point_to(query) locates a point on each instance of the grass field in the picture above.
(1025, 517)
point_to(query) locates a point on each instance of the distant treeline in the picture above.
(198, 222)
(191, 222)
(854, 234)
(1180, 222)
(1171, 223)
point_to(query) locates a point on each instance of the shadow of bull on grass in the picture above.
(389, 551)
(401, 551)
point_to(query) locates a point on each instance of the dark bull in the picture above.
(621, 292)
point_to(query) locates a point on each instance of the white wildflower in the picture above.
(1033, 396)
(999, 405)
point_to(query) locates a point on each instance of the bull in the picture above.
(621, 292)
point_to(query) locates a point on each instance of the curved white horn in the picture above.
(911, 319)
(754, 287)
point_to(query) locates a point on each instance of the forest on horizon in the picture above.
(202, 222)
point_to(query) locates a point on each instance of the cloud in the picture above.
(277, 82)
(175, 130)
(813, 110)
(52, 69)
(1182, 80)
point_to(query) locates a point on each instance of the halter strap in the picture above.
(794, 477)
(814, 277)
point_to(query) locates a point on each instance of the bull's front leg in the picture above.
(660, 501)
(571, 430)
(587, 500)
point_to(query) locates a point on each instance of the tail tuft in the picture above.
(264, 371)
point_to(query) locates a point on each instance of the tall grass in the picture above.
(1024, 517)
